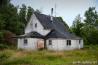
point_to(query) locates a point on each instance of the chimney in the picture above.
(51, 14)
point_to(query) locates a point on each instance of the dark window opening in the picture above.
(50, 42)
(68, 42)
(35, 25)
(79, 41)
(25, 41)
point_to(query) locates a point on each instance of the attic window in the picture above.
(25, 41)
(50, 42)
(68, 42)
(35, 25)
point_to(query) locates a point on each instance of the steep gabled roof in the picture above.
(58, 27)
(48, 24)
(44, 20)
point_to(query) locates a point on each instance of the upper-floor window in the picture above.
(68, 42)
(25, 41)
(50, 42)
(35, 25)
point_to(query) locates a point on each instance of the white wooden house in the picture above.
(48, 32)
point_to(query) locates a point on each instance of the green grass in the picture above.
(18, 57)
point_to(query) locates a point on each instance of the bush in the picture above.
(3, 56)
(3, 46)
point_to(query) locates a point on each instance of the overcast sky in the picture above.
(68, 9)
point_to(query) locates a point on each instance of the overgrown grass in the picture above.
(19, 57)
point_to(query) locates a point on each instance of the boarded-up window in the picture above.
(68, 42)
(50, 42)
(25, 41)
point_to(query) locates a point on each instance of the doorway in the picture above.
(40, 44)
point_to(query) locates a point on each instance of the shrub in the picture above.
(3, 46)
(3, 56)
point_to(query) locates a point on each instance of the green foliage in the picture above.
(12, 22)
(6, 38)
(91, 16)
(23, 18)
(22, 14)
(29, 13)
(77, 25)
(4, 3)
(13, 57)
(89, 29)
(2, 22)
(5, 55)
(3, 46)
(86, 30)
(1, 37)
(93, 37)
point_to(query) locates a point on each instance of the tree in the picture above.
(86, 32)
(91, 16)
(77, 25)
(2, 23)
(22, 14)
(29, 13)
(4, 3)
(22, 18)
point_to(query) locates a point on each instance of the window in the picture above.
(35, 25)
(25, 41)
(68, 42)
(79, 41)
(50, 42)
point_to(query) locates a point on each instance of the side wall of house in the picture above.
(61, 44)
(31, 43)
(35, 25)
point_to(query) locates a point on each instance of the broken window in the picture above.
(68, 42)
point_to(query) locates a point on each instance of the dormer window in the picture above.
(35, 25)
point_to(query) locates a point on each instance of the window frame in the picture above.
(25, 42)
(79, 41)
(50, 42)
(68, 42)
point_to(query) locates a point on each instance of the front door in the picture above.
(40, 44)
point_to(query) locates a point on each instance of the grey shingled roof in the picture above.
(57, 26)
(65, 35)
(47, 23)
(31, 35)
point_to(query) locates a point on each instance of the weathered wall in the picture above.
(31, 26)
(31, 45)
(61, 44)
